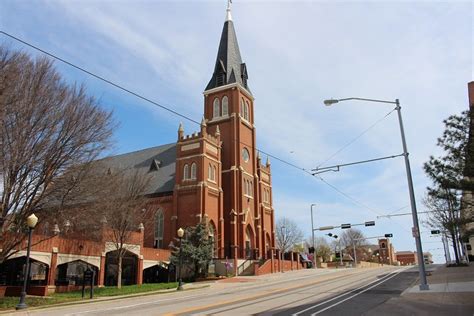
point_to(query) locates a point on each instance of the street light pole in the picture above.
(340, 252)
(355, 254)
(416, 229)
(31, 222)
(312, 236)
(180, 236)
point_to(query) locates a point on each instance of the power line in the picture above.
(356, 138)
(194, 121)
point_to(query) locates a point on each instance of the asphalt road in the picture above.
(303, 292)
(359, 300)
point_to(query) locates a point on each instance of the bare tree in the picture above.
(46, 128)
(321, 247)
(288, 234)
(352, 236)
(353, 240)
(122, 210)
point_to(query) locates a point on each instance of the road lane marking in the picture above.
(344, 294)
(128, 306)
(324, 309)
(254, 297)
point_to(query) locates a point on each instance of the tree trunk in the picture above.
(455, 247)
(119, 271)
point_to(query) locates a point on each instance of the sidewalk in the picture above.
(451, 293)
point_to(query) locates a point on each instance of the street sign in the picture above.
(388, 235)
(435, 232)
(371, 223)
(326, 227)
(415, 232)
(345, 226)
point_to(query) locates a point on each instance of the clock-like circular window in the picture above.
(245, 154)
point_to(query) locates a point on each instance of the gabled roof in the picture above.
(228, 64)
(163, 157)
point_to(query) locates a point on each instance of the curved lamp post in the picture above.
(180, 236)
(31, 221)
(416, 228)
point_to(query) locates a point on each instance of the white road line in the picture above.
(186, 297)
(386, 279)
(344, 294)
(128, 306)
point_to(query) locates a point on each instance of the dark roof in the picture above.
(229, 67)
(158, 162)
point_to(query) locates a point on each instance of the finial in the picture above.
(258, 155)
(218, 131)
(203, 121)
(229, 15)
(268, 161)
(180, 131)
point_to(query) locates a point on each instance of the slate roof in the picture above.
(228, 61)
(164, 157)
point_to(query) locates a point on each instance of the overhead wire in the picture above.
(166, 108)
(356, 138)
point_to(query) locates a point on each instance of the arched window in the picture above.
(225, 106)
(159, 227)
(186, 172)
(193, 171)
(250, 188)
(216, 110)
(246, 111)
(242, 106)
(209, 172)
(214, 172)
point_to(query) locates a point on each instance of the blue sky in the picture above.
(298, 53)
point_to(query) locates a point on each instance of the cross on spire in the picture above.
(229, 15)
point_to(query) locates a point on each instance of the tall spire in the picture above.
(229, 67)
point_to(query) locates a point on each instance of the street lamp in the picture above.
(31, 221)
(312, 236)
(180, 236)
(416, 228)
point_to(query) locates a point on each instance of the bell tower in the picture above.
(229, 108)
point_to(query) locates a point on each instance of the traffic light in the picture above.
(330, 234)
(345, 226)
(435, 232)
(311, 249)
(388, 235)
(371, 223)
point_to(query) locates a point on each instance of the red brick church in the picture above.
(214, 175)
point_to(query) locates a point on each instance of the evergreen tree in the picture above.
(197, 250)
(449, 174)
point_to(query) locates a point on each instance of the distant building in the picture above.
(386, 251)
(406, 258)
(410, 257)
(428, 257)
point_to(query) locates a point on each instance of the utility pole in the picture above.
(312, 232)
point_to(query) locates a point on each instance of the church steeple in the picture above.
(229, 67)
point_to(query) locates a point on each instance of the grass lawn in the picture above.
(11, 302)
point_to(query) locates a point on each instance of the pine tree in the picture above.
(449, 176)
(197, 250)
